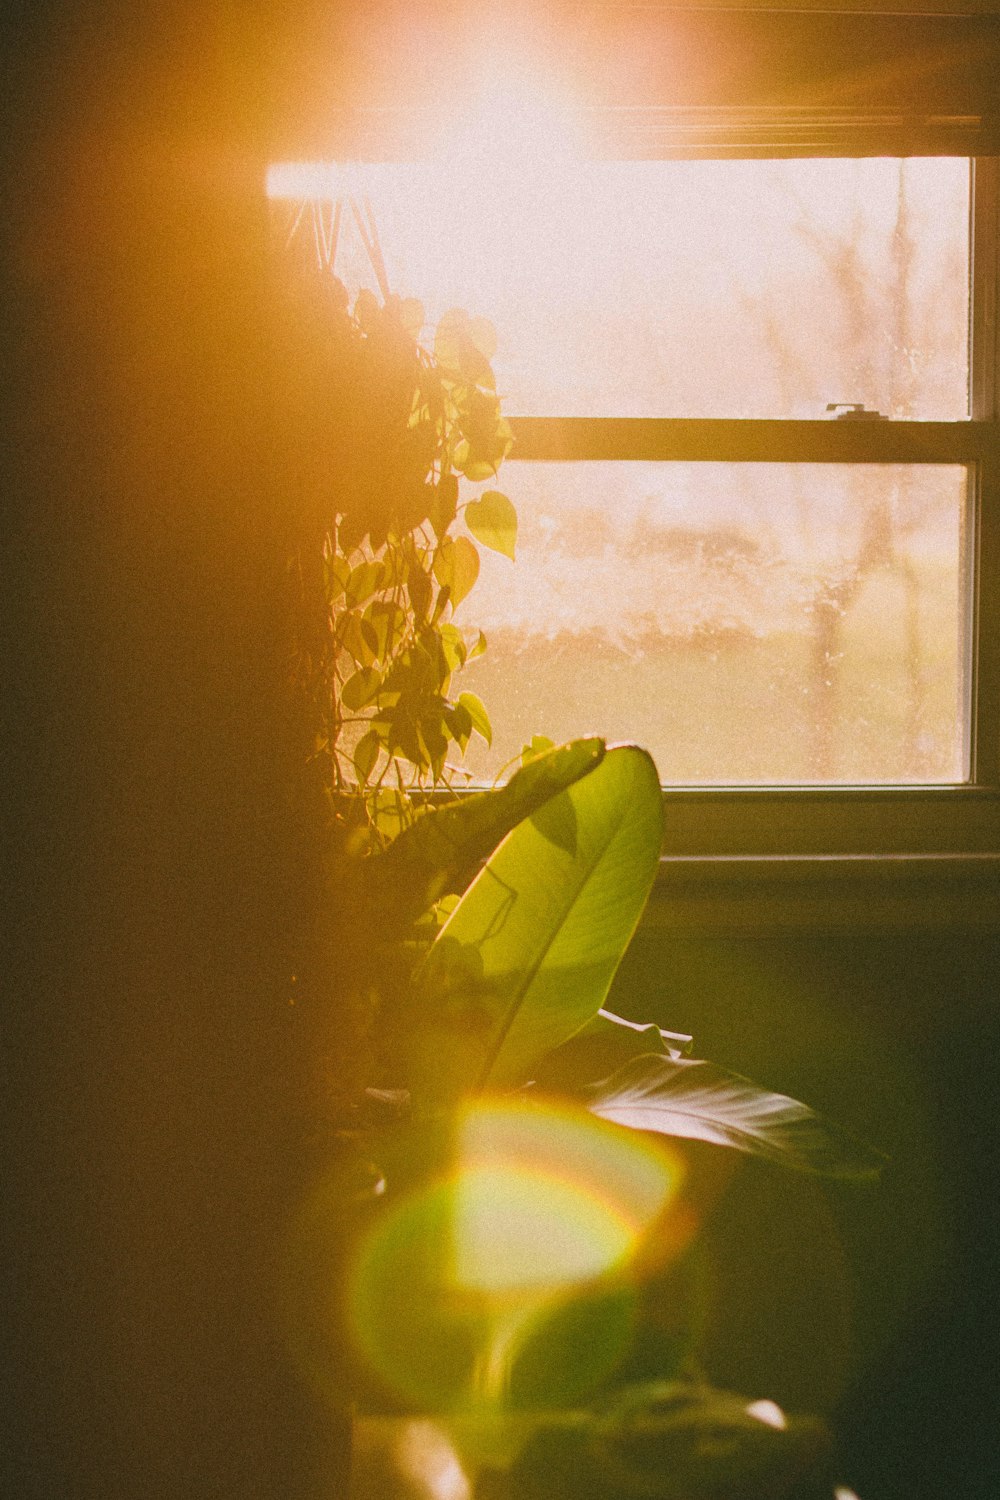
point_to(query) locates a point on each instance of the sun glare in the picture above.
(541, 1205)
(547, 1197)
(518, 123)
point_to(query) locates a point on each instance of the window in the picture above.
(749, 351)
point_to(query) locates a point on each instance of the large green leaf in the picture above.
(528, 955)
(439, 854)
(696, 1100)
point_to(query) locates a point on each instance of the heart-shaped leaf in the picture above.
(492, 520)
(456, 567)
(476, 710)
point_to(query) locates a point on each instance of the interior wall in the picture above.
(875, 1304)
(153, 1110)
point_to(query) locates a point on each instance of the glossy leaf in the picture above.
(456, 567)
(492, 520)
(366, 754)
(476, 710)
(361, 688)
(701, 1102)
(549, 925)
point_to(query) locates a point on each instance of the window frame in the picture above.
(937, 847)
(887, 822)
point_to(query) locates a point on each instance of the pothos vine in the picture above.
(393, 429)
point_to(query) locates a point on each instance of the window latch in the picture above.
(854, 411)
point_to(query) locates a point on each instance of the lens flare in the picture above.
(545, 1197)
(538, 1205)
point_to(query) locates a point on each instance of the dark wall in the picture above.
(149, 1051)
(875, 1304)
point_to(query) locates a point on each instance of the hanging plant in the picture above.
(388, 432)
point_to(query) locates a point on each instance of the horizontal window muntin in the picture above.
(753, 440)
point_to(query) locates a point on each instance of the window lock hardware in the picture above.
(854, 411)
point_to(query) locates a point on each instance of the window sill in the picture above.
(821, 821)
(827, 892)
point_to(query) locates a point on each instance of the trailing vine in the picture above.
(393, 428)
(386, 435)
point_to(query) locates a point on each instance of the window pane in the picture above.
(748, 623)
(689, 288)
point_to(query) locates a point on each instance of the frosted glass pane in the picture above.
(690, 288)
(748, 623)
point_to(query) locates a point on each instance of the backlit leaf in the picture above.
(605, 1044)
(698, 1101)
(540, 743)
(492, 520)
(366, 754)
(456, 567)
(551, 926)
(444, 504)
(453, 645)
(363, 581)
(359, 639)
(440, 853)
(476, 710)
(338, 571)
(459, 722)
(361, 688)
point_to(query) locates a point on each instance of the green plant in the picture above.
(485, 932)
(385, 431)
(461, 1297)
(510, 993)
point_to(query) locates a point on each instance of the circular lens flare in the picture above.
(538, 1204)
